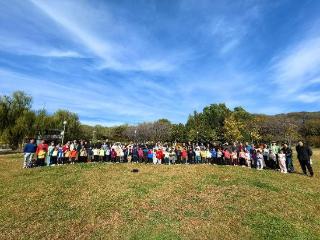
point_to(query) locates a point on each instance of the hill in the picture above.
(103, 201)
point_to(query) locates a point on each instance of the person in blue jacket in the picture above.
(29, 151)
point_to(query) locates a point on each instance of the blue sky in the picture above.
(121, 61)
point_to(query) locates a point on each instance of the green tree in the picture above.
(15, 118)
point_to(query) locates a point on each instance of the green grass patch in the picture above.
(108, 201)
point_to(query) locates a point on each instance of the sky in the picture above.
(125, 61)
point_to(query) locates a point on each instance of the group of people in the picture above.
(247, 155)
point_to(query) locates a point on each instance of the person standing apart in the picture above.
(304, 153)
(29, 151)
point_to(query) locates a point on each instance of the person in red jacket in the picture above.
(159, 155)
(184, 156)
(41, 152)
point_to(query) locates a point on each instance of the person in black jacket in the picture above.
(288, 152)
(304, 153)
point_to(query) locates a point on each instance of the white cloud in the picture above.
(118, 46)
(297, 69)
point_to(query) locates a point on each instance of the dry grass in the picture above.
(102, 201)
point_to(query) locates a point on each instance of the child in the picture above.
(184, 156)
(197, 155)
(208, 156)
(96, 152)
(166, 156)
(227, 156)
(172, 157)
(49, 155)
(272, 160)
(60, 158)
(101, 155)
(282, 162)
(73, 155)
(219, 157)
(154, 156)
(83, 154)
(203, 154)
(159, 156)
(113, 155)
(234, 157)
(247, 157)
(259, 157)
(150, 156)
(54, 156)
(242, 158)
(213, 156)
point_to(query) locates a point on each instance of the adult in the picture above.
(288, 152)
(29, 151)
(304, 153)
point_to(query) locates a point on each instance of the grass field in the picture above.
(103, 201)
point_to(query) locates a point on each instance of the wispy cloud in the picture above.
(298, 68)
(127, 62)
(115, 55)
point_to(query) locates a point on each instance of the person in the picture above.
(121, 155)
(259, 158)
(184, 156)
(73, 155)
(83, 154)
(154, 156)
(190, 155)
(272, 160)
(248, 158)
(197, 154)
(96, 152)
(29, 151)
(178, 154)
(159, 155)
(66, 152)
(41, 153)
(54, 156)
(282, 162)
(172, 157)
(135, 154)
(265, 153)
(227, 157)
(49, 155)
(203, 154)
(113, 155)
(213, 156)
(208, 156)
(304, 154)
(60, 157)
(234, 157)
(166, 155)
(288, 152)
(101, 154)
(140, 155)
(242, 158)
(150, 155)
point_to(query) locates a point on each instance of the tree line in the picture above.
(216, 122)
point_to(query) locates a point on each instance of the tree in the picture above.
(73, 129)
(232, 129)
(15, 118)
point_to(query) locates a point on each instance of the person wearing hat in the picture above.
(304, 153)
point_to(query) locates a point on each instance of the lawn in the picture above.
(103, 201)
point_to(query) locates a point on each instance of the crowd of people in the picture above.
(262, 156)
